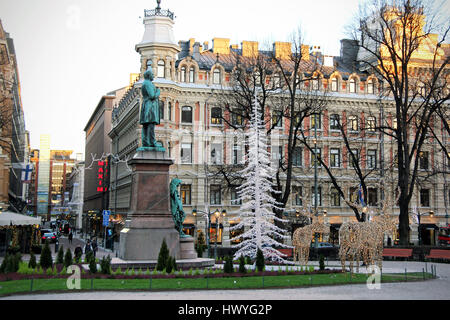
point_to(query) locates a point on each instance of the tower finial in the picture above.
(158, 2)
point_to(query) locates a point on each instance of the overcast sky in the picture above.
(71, 52)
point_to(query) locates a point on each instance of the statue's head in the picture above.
(175, 183)
(148, 75)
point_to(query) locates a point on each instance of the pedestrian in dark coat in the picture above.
(94, 247)
(70, 236)
(87, 247)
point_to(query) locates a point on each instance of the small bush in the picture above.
(32, 263)
(92, 265)
(163, 256)
(228, 267)
(46, 260)
(248, 260)
(322, 262)
(260, 260)
(68, 258)
(60, 256)
(89, 256)
(242, 265)
(105, 265)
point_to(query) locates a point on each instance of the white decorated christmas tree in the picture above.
(256, 212)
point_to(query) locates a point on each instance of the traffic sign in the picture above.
(106, 214)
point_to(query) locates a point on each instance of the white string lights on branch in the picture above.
(114, 159)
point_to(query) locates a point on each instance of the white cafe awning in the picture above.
(8, 218)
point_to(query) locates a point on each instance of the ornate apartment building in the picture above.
(14, 139)
(195, 131)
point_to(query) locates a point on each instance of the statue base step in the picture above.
(187, 250)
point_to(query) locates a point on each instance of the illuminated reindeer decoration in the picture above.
(302, 237)
(364, 240)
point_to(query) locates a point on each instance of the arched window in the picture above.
(370, 87)
(334, 84)
(352, 86)
(183, 74)
(216, 76)
(186, 114)
(191, 74)
(161, 109)
(169, 111)
(161, 69)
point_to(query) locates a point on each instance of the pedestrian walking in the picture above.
(87, 247)
(94, 247)
(70, 236)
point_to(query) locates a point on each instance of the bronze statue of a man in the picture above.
(149, 116)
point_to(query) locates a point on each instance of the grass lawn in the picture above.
(252, 282)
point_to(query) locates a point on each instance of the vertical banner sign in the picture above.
(102, 173)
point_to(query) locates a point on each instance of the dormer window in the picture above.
(183, 74)
(216, 76)
(370, 87)
(352, 86)
(334, 84)
(191, 74)
(161, 69)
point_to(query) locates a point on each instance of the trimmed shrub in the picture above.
(92, 265)
(260, 260)
(321, 262)
(242, 265)
(60, 256)
(32, 263)
(105, 265)
(163, 257)
(228, 266)
(46, 260)
(68, 258)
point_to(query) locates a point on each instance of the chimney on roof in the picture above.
(249, 48)
(205, 45)
(221, 46)
(282, 50)
(196, 51)
(305, 52)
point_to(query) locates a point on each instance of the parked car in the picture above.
(44, 231)
(51, 237)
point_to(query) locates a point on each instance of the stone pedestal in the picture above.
(150, 217)
(187, 250)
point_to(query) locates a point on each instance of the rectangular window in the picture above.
(186, 153)
(297, 157)
(315, 121)
(423, 160)
(298, 193)
(373, 196)
(237, 154)
(335, 198)
(353, 123)
(353, 194)
(424, 197)
(216, 116)
(353, 161)
(185, 193)
(237, 118)
(277, 152)
(235, 201)
(335, 158)
(371, 124)
(334, 84)
(372, 159)
(277, 118)
(186, 114)
(215, 195)
(334, 122)
(318, 196)
(216, 153)
(315, 152)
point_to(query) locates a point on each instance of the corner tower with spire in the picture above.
(158, 48)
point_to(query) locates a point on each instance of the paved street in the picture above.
(438, 289)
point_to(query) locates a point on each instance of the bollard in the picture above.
(423, 273)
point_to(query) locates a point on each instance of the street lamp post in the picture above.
(207, 227)
(316, 116)
(217, 214)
